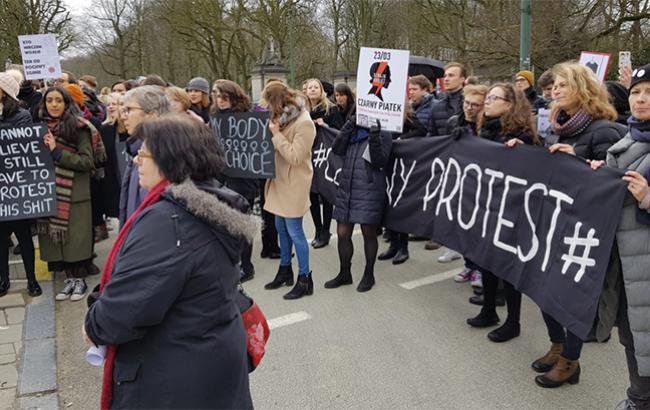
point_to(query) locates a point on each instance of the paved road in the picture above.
(391, 348)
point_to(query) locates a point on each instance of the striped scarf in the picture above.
(57, 226)
(569, 126)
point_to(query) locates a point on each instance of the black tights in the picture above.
(513, 296)
(321, 225)
(24, 234)
(346, 249)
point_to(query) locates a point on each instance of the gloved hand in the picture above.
(375, 130)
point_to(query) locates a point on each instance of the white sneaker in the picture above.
(66, 291)
(449, 256)
(477, 279)
(464, 276)
(79, 291)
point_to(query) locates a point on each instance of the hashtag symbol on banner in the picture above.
(587, 243)
(320, 155)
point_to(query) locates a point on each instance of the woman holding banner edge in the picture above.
(625, 298)
(12, 115)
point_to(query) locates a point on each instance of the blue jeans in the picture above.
(291, 234)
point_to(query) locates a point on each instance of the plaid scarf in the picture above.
(569, 126)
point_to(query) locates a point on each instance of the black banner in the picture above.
(327, 165)
(246, 140)
(543, 222)
(27, 180)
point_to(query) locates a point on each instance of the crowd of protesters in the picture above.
(141, 158)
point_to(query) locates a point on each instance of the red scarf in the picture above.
(152, 197)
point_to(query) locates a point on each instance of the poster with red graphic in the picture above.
(381, 88)
(40, 56)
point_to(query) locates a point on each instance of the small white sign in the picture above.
(40, 56)
(381, 88)
(543, 123)
(597, 62)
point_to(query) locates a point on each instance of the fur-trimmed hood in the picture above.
(218, 206)
(291, 112)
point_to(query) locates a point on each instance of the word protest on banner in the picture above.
(27, 180)
(596, 62)
(514, 212)
(327, 165)
(40, 56)
(382, 77)
(246, 140)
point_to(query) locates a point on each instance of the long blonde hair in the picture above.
(110, 119)
(323, 101)
(592, 96)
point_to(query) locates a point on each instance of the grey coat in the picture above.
(633, 240)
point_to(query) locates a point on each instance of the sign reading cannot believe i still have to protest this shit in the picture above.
(40, 56)
(27, 180)
(381, 88)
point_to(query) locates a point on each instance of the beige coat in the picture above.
(287, 195)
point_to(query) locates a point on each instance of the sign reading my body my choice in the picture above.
(246, 140)
(27, 184)
(381, 88)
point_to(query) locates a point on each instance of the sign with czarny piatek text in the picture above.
(246, 141)
(381, 88)
(544, 222)
(27, 180)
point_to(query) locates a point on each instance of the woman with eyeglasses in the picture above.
(583, 124)
(66, 239)
(507, 116)
(138, 105)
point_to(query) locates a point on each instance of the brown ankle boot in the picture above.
(546, 362)
(562, 372)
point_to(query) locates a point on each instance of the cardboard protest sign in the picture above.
(246, 140)
(381, 88)
(596, 62)
(27, 180)
(40, 56)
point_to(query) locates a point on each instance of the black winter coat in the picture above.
(423, 108)
(594, 141)
(450, 104)
(361, 195)
(18, 119)
(491, 130)
(536, 101)
(30, 100)
(112, 173)
(170, 304)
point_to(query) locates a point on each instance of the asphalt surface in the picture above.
(390, 348)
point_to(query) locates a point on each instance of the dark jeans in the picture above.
(572, 343)
(24, 234)
(639, 390)
(513, 296)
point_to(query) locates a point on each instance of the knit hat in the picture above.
(528, 75)
(640, 75)
(9, 85)
(76, 93)
(200, 84)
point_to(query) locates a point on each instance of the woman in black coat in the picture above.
(507, 118)
(176, 338)
(11, 115)
(360, 198)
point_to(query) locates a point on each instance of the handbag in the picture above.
(256, 327)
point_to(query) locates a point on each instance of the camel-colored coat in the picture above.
(287, 195)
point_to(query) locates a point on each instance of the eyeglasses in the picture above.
(472, 105)
(127, 110)
(493, 98)
(144, 154)
(521, 80)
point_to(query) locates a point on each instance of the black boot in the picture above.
(322, 240)
(304, 286)
(484, 319)
(283, 277)
(246, 276)
(367, 282)
(4, 286)
(388, 254)
(402, 255)
(316, 238)
(478, 300)
(508, 331)
(343, 278)
(34, 289)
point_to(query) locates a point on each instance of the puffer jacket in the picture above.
(361, 194)
(450, 104)
(594, 141)
(423, 109)
(634, 250)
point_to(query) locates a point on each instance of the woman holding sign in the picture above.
(287, 195)
(12, 115)
(625, 299)
(66, 239)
